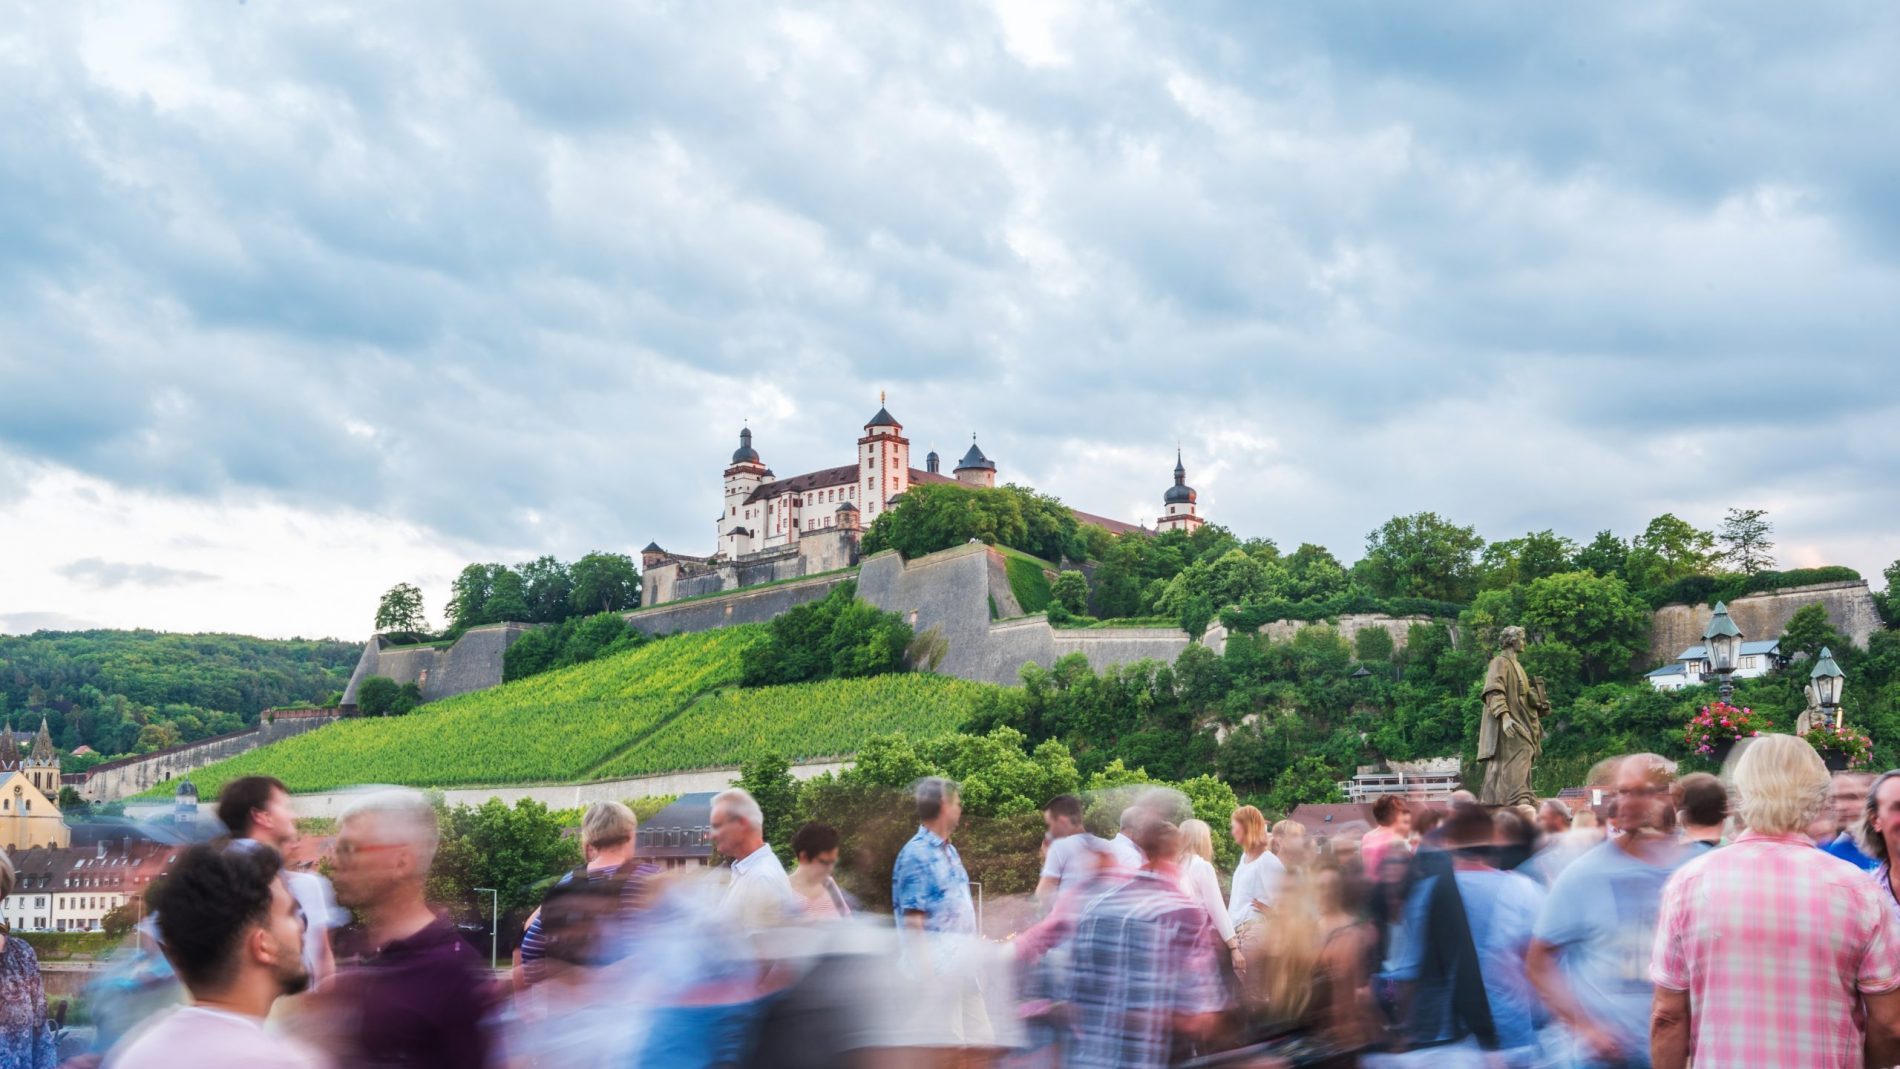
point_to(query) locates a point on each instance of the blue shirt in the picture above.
(1601, 914)
(1500, 908)
(1845, 848)
(929, 879)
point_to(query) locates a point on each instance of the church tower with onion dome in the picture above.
(1178, 504)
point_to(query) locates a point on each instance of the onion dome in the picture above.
(1180, 493)
(745, 454)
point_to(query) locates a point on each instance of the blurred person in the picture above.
(257, 808)
(1576, 834)
(1257, 880)
(1460, 950)
(1201, 883)
(1392, 817)
(1462, 797)
(1553, 816)
(1847, 797)
(1766, 954)
(1880, 834)
(408, 990)
(1702, 807)
(1342, 980)
(1122, 847)
(1589, 957)
(930, 898)
(815, 849)
(1586, 820)
(607, 847)
(25, 1041)
(1071, 859)
(1515, 831)
(758, 893)
(1289, 842)
(235, 934)
(1143, 975)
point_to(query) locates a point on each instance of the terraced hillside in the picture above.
(667, 706)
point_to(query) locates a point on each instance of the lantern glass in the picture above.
(1828, 690)
(1722, 652)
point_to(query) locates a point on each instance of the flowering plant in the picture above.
(1845, 741)
(1720, 722)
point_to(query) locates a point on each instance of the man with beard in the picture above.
(234, 933)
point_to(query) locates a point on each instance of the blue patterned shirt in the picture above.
(929, 879)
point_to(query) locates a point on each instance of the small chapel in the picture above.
(29, 792)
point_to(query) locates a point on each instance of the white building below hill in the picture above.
(1691, 667)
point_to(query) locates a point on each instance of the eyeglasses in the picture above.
(347, 851)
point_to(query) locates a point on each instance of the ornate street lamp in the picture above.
(1723, 642)
(1828, 679)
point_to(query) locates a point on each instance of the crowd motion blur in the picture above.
(1743, 920)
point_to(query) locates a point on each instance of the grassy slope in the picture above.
(1027, 579)
(668, 706)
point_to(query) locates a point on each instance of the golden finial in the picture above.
(880, 399)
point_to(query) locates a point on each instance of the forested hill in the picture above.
(132, 691)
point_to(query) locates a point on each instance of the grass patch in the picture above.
(1027, 581)
(1089, 623)
(66, 946)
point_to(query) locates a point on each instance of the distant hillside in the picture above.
(670, 705)
(105, 688)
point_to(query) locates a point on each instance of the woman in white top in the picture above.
(1258, 877)
(1201, 883)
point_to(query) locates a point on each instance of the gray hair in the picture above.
(1558, 806)
(738, 802)
(931, 793)
(403, 815)
(1872, 843)
(1783, 783)
(608, 824)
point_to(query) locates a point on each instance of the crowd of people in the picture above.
(1750, 920)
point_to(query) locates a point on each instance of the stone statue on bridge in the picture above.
(1511, 732)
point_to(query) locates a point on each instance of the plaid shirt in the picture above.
(1774, 941)
(1142, 954)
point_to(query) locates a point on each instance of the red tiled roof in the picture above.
(811, 480)
(1115, 527)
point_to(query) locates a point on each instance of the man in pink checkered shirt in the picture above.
(1770, 952)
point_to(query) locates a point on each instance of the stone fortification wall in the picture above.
(472, 663)
(130, 775)
(1850, 608)
(754, 606)
(1350, 624)
(825, 550)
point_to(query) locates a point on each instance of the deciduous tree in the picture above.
(1421, 555)
(400, 611)
(604, 582)
(1745, 542)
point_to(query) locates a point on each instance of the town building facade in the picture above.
(29, 792)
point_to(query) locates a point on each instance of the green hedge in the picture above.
(1709, 589)
(1252, 617)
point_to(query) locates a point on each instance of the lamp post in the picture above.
(494, 922)
(1722, 640)
(1828, 679)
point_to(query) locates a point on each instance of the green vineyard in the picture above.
(668, 706)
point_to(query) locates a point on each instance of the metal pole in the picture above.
(494, 923)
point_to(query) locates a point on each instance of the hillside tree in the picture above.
(400, 611)
(1890, 603)
(377, 695)
(604, 582)
(547, 589)
(1421, 556)
(1808, 630)
(1744, 539)
(1071, 591)
(1670, 548)
(768, 778)
(1605, 555)
(1595, 615)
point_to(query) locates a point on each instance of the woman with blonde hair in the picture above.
(1257, 883)
(1200, 882)
(1289, 843)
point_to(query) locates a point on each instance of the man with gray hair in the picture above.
(758, 894)
(1768, 951)
(409, 991)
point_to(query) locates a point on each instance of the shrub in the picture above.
(837, 636)
(376, 695)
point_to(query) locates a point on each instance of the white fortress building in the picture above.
(771, 528)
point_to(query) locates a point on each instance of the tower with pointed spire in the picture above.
(975, 469)
(1178, 504)
(29, 792)
(883, 462)
(744, 476)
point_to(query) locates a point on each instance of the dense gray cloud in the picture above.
(516, 276)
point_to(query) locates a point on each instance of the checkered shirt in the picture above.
(1142, 953)
(1774, 941)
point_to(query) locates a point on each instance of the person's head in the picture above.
(1703, 800)
(1249, 829)
(385, 843)
(1511, 638)
(227, 921)
(1393, 813)
(1879, 831)
(1421, 821)
(1290, 844)
(1783, 785)
(1146, 823)
(1642, 784)
(1848, 795)
(815, 844)
(738, 824)
(939, 804)
(1587, 820)
(1468, 828)
(258, 807)
(607, 828)
(1554, 816)
(1197, 840)
(1063, 815)
(1463, 797)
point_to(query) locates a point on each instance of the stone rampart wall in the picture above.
(472, 663)
(118, 779)
(825, 550)
(1850, 608)
(754, 606)
(1350, 624)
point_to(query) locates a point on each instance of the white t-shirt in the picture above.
(1127, 855)
(1257, 879)
(208, 1039)
(759, 894)
(320, 912)
(1200, 882)
(1071, 859)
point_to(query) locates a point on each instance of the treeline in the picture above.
(137, 691)
(540, 591)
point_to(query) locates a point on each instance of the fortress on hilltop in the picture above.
(771, 529)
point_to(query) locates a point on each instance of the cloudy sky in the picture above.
(299, 300)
